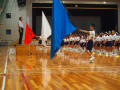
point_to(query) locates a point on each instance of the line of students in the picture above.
(108, 41)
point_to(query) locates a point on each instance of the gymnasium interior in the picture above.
(29, 66)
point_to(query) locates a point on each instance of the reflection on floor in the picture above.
(3, 52)
(30, 68)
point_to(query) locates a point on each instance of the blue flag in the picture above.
(62, 26)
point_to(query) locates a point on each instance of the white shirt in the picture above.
(98, 38)
(114, 37)
(103, 37)
(71, 39)
(106, 37)
(91, 35)
(65, 40)
(110, 38)
(78, 38)
(20, 24)
(82, 41)
(117, 38)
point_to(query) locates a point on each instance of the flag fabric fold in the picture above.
(29, 35)
(46, 29)
(62, 26)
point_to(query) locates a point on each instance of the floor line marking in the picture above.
(25, 81)
(5, 71)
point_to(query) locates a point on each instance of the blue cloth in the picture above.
(62, 26)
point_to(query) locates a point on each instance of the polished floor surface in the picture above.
(30, 68)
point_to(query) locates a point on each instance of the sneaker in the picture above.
(92, 59)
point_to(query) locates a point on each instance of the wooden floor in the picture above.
(30, 68)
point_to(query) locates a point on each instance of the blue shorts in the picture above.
(76, 43)
(113, 43)
(108, 44)
(117, 44)
(71, 42)
(63, 43)
(89, 45)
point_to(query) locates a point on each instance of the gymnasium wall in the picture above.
(11, 23)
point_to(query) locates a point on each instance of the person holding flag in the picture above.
(91, 37)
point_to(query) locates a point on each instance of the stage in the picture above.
(29, 67)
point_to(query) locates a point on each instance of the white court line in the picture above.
(5, 71)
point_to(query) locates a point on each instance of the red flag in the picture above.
(29, 35)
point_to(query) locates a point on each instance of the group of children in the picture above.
(107, 39)
(107, 43)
